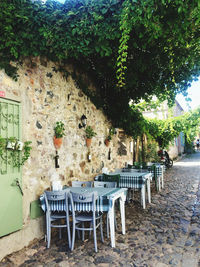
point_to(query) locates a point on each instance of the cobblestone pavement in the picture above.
(167, 233)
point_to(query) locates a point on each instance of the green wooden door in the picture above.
(10, 177)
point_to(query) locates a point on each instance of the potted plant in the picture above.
(89, 132)
(107, 141)
(59, 132)
(109, 137)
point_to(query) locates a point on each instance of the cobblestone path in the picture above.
(167, 233)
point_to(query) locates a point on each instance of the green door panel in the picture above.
(10, 194)
(35, 209)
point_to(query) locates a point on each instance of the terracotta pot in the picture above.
(107, 142)
(57, 142)
(88, 142)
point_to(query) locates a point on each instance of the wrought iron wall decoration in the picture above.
(8, 117)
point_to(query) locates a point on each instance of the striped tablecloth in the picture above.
(158, 174)
(102, 204)
(105, 202)
(134, 180)
(156, 170)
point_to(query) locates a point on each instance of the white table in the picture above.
(158, 173)
(134, 180)
(111, 194)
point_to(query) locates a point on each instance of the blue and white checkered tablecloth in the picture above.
(134, 180)
(155, 169)
(162, 166)
(102, 204)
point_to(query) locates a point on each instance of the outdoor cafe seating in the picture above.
(131, 180)
(103, 193)
(80, 219)
(82, 183)
(55, 216)
(157, 169)
(90, 199)
(107, 185)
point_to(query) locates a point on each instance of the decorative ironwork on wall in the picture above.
(9, 126)
(8, 116)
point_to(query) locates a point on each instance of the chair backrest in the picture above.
(79, 199)
(111, 178)
(105, 184)
(56, 200)
(82, 183)
(130, 166)
(84, 197)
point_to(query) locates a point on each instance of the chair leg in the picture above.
(73, 236)
(107, 225)
(129, 195)
(83, 232)
(48, 234)
(95, 236)
(101, 229)
(132, 194)
(68, 233)
(60, 233)
(78, 232)
(90, 232)
(48, 230)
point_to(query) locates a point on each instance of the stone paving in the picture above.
(167, 233)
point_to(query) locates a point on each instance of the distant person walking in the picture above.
(197, 144)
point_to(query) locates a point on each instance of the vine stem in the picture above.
(125, 27)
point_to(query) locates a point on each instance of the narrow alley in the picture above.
(167, 233)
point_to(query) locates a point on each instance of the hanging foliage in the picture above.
(129, 49)
(13, 153)
(125, 28)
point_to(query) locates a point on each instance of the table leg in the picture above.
(149, 190)
(162, 180)
(122, 212)
(143, 196)
(159, 185)
(112, 223)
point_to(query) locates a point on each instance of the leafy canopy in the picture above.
(164, 131)
(131, 49)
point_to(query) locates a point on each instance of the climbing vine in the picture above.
(125, 28)
(11, 153)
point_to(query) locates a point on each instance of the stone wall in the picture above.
(47, 97)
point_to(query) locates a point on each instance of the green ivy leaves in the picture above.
(130, 49)
(164, 131)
